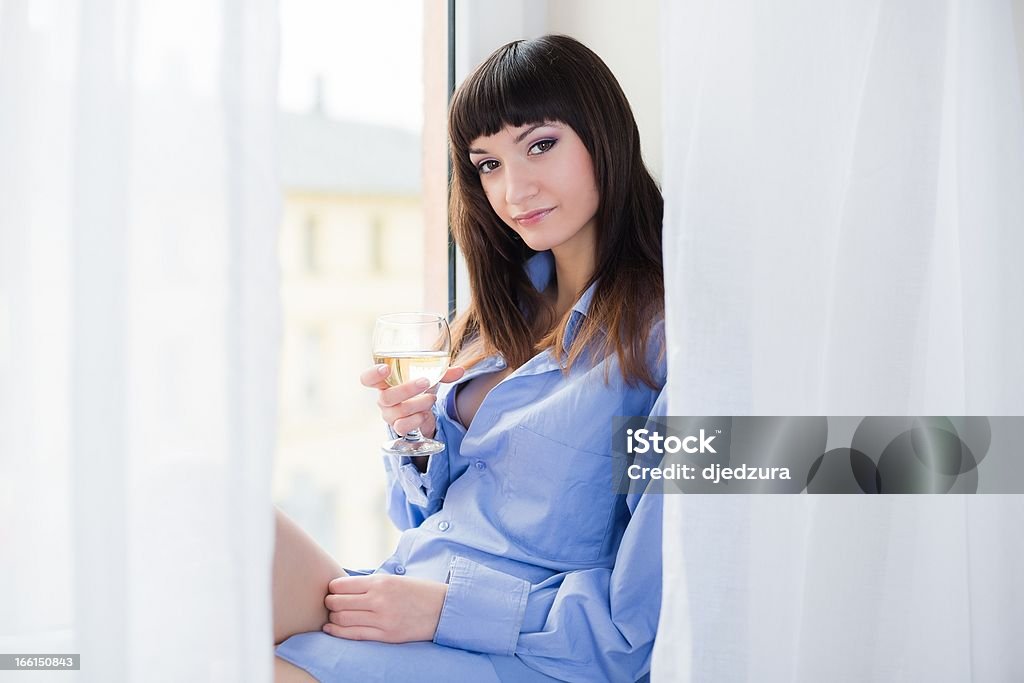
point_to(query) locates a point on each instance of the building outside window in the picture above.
(352, 244)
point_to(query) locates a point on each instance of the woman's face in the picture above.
(539, 179)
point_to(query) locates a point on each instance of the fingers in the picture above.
(336, 602)
(407, 406)
(355, 632)
(347, 585)
(394, 395)
(421, 421)
(355, 618)
(403, 392)
(416, 404)
(374, 376)
(453, 374)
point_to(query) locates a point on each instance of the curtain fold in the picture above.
(843, 237)
(139, 335)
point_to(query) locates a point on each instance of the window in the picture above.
(311, 244)
(352, 168)
(378, 244)
(312, 363)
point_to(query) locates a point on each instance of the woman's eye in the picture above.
(487, 166)
(542, 146)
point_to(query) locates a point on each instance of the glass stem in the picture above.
(414, 435)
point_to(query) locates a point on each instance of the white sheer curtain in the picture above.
(844, 235)
(139, 332)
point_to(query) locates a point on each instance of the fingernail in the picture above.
(422, 383)
(381, 369)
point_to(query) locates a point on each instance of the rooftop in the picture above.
(321, 154)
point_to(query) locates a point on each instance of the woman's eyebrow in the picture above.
(519, 138)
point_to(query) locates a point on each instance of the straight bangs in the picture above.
(514, 87)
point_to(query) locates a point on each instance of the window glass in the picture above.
(351, 121)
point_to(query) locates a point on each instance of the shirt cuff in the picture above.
(418, 486)
(483, 610)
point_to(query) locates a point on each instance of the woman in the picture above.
(518, 562)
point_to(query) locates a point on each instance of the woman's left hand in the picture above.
(391, 609)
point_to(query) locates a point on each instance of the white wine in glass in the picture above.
(408, 367)
(414, 346)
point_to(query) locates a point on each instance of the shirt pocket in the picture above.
(556, 502)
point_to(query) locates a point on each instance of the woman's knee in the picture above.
(302, 570)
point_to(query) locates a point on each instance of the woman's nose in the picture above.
(520, 185)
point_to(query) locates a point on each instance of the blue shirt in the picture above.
(543, 560)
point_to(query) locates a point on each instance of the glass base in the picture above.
(412, 448)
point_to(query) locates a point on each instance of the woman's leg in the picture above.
(286, 672)
(302, 570)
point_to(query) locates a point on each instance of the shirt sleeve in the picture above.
(412, 496)
(574, 622)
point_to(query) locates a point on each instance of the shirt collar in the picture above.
(540, 269)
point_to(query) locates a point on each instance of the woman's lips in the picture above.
(534, 217)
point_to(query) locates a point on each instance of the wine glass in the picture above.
(413, 345)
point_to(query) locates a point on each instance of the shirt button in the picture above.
(399, 570)
(481, 465)
(443, 526)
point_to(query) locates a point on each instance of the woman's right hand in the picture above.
(406, 406)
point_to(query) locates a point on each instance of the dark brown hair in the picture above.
(556, 78)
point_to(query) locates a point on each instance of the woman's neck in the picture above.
(574, 266)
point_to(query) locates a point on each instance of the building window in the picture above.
(378, 242)
(312, 240)
(312, 363)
